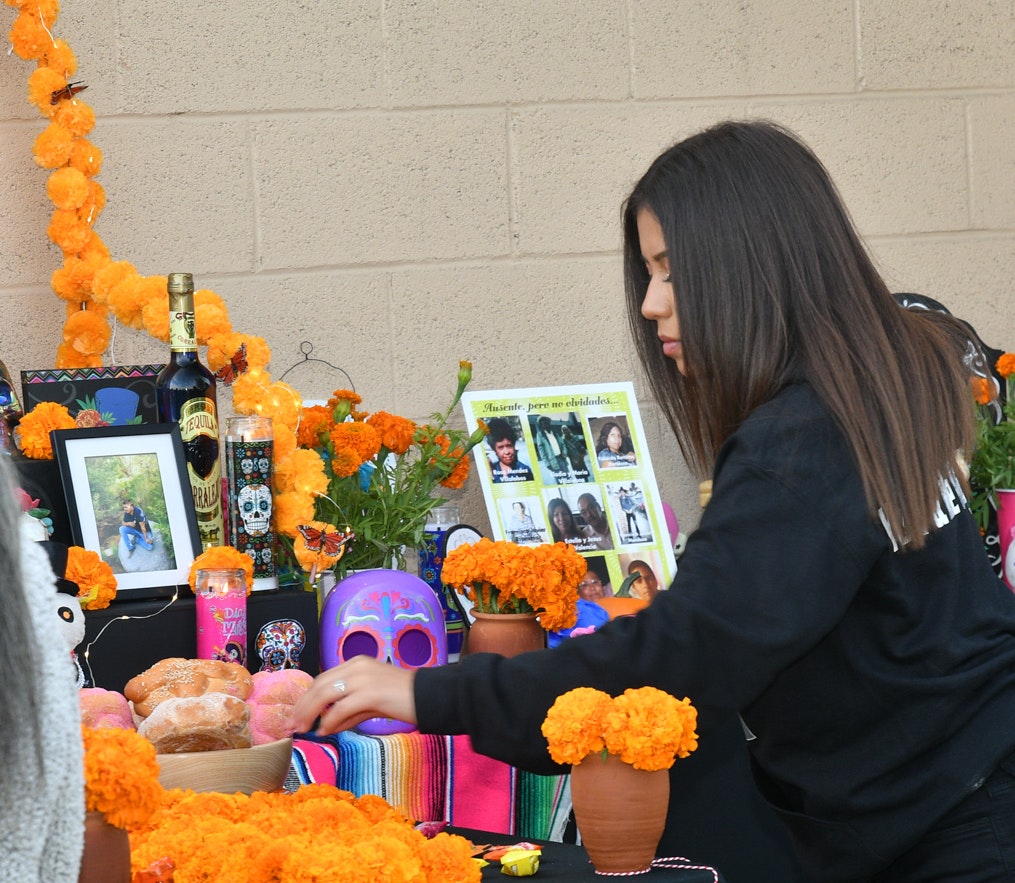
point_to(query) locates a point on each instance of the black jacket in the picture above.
(879, 684)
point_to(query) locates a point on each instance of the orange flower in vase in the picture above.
(620, 749)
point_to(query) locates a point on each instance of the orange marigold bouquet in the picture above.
(504, 577)
(645, 727)
(993, 462)
(375, 475)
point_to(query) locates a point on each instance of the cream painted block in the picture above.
(992, 128)
(483, 51)
(26, 254)
(31, 333)
(178, 195)
(900, 163)
(729, 47)
(344, 316)
(971, 274)
(572, 168)
(523, 323)
(250, 57)
(365, 188)
(937, 43)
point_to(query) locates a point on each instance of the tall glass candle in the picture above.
(249, 474)
(429, 559)
(221, 601)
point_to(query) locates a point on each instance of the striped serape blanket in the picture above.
(435, 778)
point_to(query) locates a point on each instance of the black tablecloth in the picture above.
(565, 862)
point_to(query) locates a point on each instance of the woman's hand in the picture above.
(353, 692)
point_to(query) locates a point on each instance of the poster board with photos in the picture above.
(572, 463)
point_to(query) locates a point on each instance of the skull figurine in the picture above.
(254, 503)
(388, 614)
(279, 644)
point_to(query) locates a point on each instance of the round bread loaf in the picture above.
(210, 722)
(176, 678)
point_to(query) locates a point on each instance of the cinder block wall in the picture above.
(405, 184)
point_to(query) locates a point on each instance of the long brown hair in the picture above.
(772, 283)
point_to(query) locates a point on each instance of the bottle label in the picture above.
(198, 421)
(182, 331)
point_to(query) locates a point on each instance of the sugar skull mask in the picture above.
(390, 615)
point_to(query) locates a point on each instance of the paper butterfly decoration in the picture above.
(330, 543)
(237, 365)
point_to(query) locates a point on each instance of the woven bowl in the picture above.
(244, 770)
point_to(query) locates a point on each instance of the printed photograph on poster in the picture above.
(561, 449)
(523, 520)
(571, 464)
(507, 457)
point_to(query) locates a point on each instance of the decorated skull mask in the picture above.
(254, 503)
(388, 614)
(279, 644)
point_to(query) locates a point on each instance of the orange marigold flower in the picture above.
(155, 316)
(396, 432)
(318, 559)
(248, 389)
(35, 426)
(291, 509)
(75, 116)
(211, 316)
(460, 471)
(85, 157)
(94, 578)
(52, 147)
(107, 278)
(345, 462)
(68, 357)
(314, 420)
(223, 558)
(29, 38)
(87, 332)
(121, 776)
(60, 57)
(982, 390)
(573, 727)
(68, 230)
(95, 202)
(73, 280)
(1006, 365)
(127, 300)
(42, 83)
(360, 440)
(67, 188)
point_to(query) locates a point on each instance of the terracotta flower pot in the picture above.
(620, 812)
(106, 857)
(505, 633)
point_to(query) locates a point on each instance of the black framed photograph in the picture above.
(129, 500)
(110, 395)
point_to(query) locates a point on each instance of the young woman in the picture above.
(836, 593)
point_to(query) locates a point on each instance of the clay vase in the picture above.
(505, 633)
(620, 812)
(106, 857)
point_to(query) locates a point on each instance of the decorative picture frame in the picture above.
(115, 395)
(152, 544)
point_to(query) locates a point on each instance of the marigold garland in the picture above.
(645, 727)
